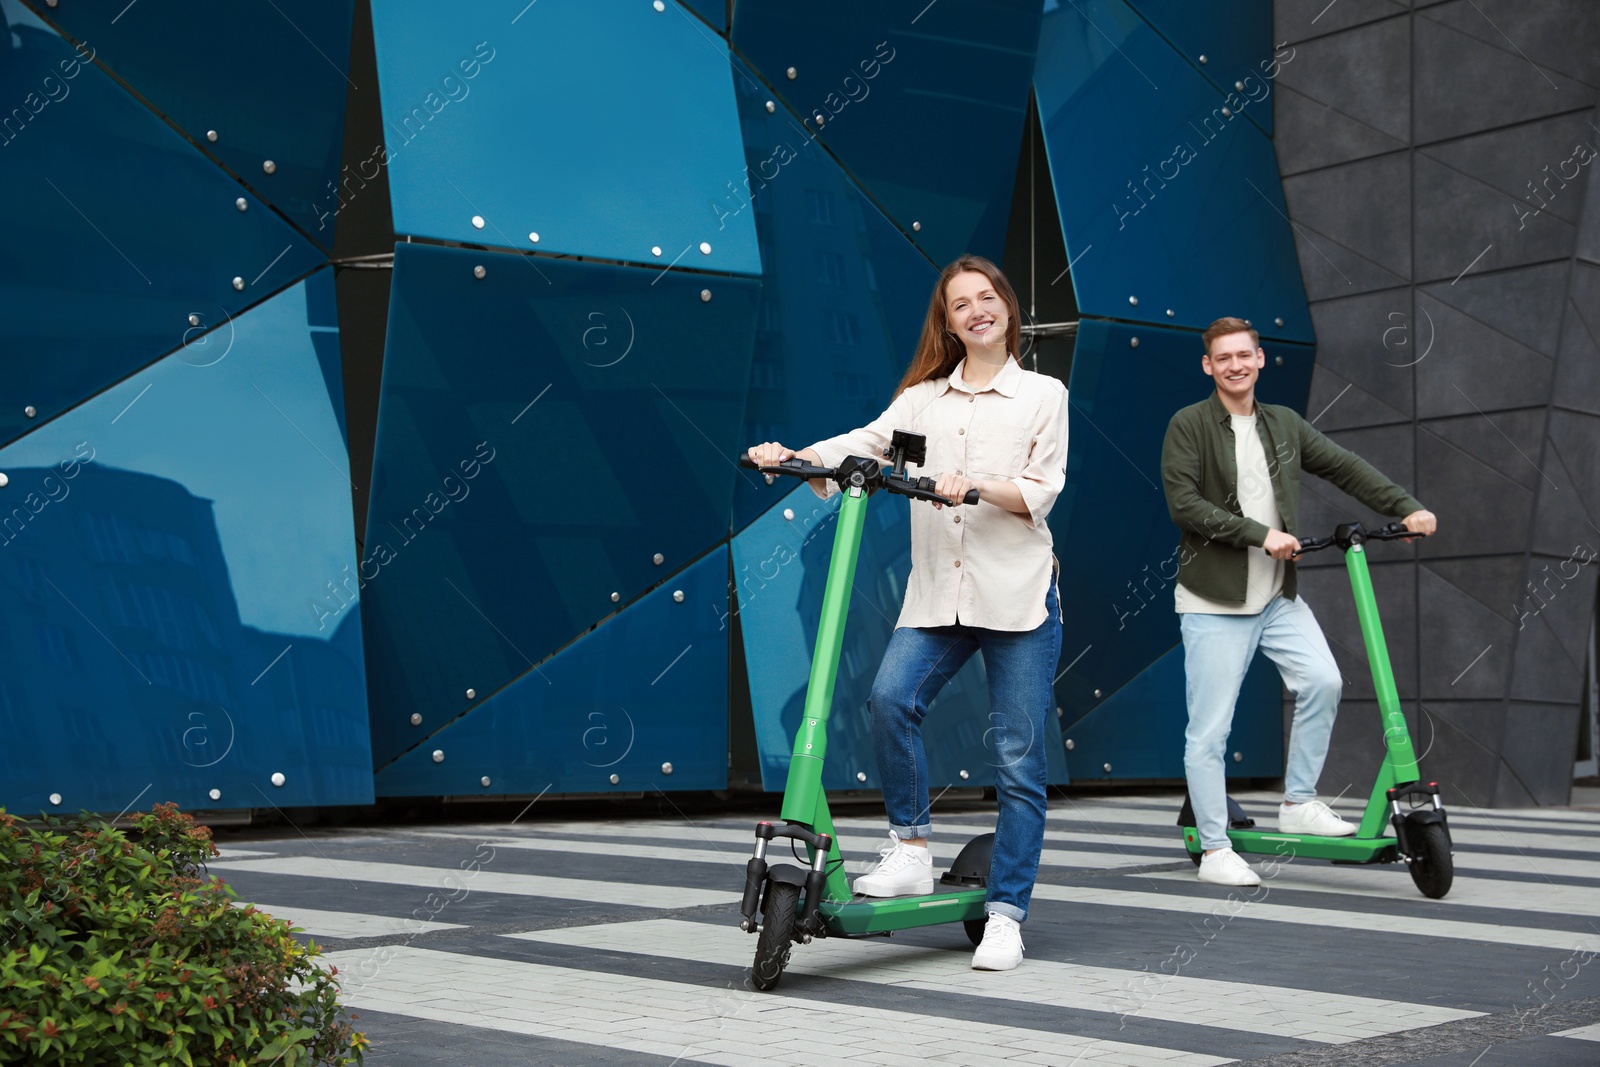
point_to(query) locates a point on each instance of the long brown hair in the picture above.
(939, 351)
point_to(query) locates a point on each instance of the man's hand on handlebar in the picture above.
(1422, 522)
(1280, 545)
(953, 487)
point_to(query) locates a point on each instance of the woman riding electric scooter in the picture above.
(983, 578)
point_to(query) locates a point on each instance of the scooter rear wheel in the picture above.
(975, 929)
(1431, 866)
(777, 935)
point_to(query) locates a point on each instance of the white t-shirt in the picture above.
(1264, 579)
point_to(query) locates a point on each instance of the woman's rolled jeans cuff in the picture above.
(1010, 911)
(913, 833)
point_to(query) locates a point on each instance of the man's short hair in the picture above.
(1223, 327)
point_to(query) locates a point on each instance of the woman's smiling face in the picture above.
(975, 312)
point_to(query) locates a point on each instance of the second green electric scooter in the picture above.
(1399, 798)
(785, 904)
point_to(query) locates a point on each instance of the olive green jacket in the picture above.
(1199, 467)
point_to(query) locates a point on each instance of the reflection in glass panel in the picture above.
(174, 553)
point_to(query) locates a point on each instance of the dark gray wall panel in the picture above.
(1363, 74)
(1543, 769)
(1341, 404)
(1549, 33)
(1318, 136)
(1367, 340)
(1524, 304)
(1459, 742)
(1472, 367)
(1296, 20)
(1577, 382)
(1463, 491)
(1533, 163)
(1465, 647)
(1455, 288)
(1365, 207)
(1453, 68)
(1510, 451)
(1464, 225)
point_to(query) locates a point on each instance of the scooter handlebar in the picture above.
(914, 488)
(794, 468)
(1394, 531)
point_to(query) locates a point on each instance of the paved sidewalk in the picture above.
(616, 942)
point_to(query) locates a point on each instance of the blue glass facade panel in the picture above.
(110, 253)
(843, 294)
(713, 11)
(1235, 38)
(1163, 199)
(544, 432)
(1154, 700)
(1117, 544)
(161, 544)
(924, 110)
(480, 122)
(779, 569)
(644, 697)
(281, 100)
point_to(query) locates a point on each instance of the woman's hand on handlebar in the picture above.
(1422, 522)
(953, 487)
(769, 454)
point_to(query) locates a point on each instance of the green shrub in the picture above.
(119, 949)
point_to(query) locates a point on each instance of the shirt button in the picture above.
(958, 518)
(958, 563)
(970, 399)
(962, 430)
(958, 470)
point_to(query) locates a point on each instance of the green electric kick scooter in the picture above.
(796, 904)
(1421, 833)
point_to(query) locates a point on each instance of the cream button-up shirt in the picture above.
(980, 565)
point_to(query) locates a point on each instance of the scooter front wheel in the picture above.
(1431, 866)
(777, 935)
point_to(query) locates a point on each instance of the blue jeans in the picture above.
(1021, 666)
(1217, 649)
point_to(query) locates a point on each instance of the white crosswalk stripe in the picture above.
(1309, 1016)
(710, 1024)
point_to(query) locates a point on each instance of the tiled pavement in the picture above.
(586, 942)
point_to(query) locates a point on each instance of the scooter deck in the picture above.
(1296, 846)
(865, 916)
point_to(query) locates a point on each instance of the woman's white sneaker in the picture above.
(1001, 949)
(1312, 817)
(904, 871)
(1224, 867)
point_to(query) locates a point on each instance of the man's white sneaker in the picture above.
(1224, 867)
(904, 871)
(1312, 817)
(1001, 949)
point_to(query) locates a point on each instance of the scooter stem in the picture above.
(1400, 759)
(803, 790)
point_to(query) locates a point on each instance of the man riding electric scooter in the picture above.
(1231, 469)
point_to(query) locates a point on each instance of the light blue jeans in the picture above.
(1021, 667)
(1217, 649)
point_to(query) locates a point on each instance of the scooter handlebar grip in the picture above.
(972, 497)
